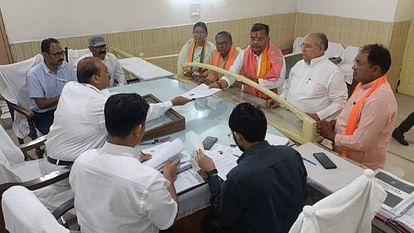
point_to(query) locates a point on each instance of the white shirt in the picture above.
(269, 84)
(114, 67)
(114, 192)
(316, 88)
(79, 122)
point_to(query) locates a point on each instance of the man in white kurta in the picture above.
(114, 191)
(97, 48)
(315, 84)
(79, 122)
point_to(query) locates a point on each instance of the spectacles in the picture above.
(360, 64)
(199, 32)
(100, 47)
(307, 46)
(58, 54)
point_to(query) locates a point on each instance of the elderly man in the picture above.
(223, 57)
(114, 191)
(363, 128)
(315, 84)
(261, 62)
(265, 192)
(45, 82)
(79, 119)
(97, 48)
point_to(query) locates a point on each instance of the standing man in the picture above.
(97, 48)
(79, 119)
(261, 62)
(45, 82)
(363, 128)
(114, 191)
(315, 84)
(265, 192)
(223, 57)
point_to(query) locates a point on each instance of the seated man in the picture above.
(97, 48)
(223, 57)
(261, 62)
(79, 119)
(265, 192)
(45, 82)
(114, 191)
(315, 84)
(364, 127)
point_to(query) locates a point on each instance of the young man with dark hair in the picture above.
(79, 119)
(265, 192)
(45, 82)
(114, 191)
(364, 127)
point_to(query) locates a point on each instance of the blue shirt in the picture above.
(44, 83)
(264, 193)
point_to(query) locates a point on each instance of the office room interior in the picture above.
(159, 28)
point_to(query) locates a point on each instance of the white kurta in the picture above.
(316, 88)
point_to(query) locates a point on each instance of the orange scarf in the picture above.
(353, 119)
(270, 67)
(228, 62)
(190, 54)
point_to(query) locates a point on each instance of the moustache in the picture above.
(102, 52)
(61, 60)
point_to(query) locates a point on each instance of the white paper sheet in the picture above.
(200, 91)
(186, 180)
(276, 140)
(195, 140)
(223, 159)
(163, 152)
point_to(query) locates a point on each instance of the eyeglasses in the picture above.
(360, 64)
(58, 54)
(199, 32)
(100, 47)
(307, 46)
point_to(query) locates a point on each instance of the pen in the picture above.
(309, 161)
(155, 141)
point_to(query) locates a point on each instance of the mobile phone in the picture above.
(209, 142)
(324, 160)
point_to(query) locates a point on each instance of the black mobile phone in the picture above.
(324, 160)
(209, 142)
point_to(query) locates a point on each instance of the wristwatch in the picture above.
(211, 173)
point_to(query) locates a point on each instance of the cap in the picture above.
(96, 41)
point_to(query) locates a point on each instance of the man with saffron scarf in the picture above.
(364, 127)
(261, 62)
(223, 57)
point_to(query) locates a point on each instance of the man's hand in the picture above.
(272, 104)
(214, 85)
(144, 157)
(179, 100)
(204, 162)
(314, 116)
(327, 129)
(170, 169)
(219, 84)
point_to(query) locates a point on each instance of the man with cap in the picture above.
(97, 48)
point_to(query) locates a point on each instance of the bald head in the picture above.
(314, 45)
(92, 70)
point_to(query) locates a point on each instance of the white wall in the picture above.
(405, 10)
(36, 20)
(380, 10)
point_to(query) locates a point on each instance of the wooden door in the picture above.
(407, 71)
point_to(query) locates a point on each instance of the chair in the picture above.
(348, 210)
(23, 212)
(73, 55)
(350, 53)
(297, 45)
(335, 52)
(14, 170)
(14, 89)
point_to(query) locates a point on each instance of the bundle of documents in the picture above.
(397, 210)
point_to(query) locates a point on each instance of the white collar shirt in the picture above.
(114, 67)
(316, 88)
(114, 192)
(79, 122)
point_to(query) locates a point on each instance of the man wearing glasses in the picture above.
(97, 48)
(45, 82)
(315, 84)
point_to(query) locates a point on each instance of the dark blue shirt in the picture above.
(264, 193)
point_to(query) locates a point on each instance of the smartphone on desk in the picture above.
(209, 142)
(324, 160)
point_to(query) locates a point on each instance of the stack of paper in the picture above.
(168, 150)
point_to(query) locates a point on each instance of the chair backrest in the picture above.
(348, 210)
(74, 55)
(334, 50)
(10, 154)
(297, 45)
(350, 53)
(23, 212)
